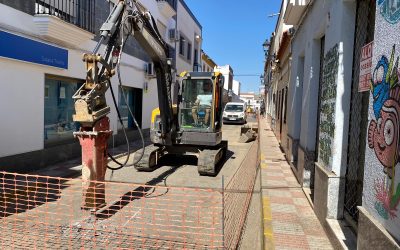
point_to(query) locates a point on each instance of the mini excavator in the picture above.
(190, 127)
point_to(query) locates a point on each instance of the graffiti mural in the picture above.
(383, 133)
(327, 111)
(390, 10)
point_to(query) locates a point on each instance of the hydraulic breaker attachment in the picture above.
(93, 141)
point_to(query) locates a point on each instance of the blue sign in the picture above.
(24, 49)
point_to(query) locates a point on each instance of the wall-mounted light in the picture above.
(266, 45)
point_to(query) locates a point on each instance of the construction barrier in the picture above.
(44, 212)
(237, 196)
(49, 213)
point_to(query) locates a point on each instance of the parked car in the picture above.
(234, 112)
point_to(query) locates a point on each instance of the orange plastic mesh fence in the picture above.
(237, 196)
(47, 213)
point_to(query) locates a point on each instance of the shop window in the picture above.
(134, 101)
(58, 109)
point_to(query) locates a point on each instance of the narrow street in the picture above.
(187, 124)
(276, 213)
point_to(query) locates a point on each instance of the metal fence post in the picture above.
(223, 212)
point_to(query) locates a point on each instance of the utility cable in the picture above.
(121, 165)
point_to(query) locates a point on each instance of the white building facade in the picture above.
(190, 40)
(227, 72)
(319, 99)
(207, 62)
(236, 90)
(41, 61)
(251, 99)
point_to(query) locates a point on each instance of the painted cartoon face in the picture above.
(380, 87)
(383, 135)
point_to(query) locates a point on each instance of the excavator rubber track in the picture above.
(150, 158)
(209, 159)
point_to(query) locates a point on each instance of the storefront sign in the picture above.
(24, 49)
(365, 67)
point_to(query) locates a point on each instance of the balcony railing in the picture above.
(80, 13)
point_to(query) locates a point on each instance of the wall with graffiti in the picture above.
(381, 193)
(327, 111)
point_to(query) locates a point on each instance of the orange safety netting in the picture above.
(48, 213)
(237, 196)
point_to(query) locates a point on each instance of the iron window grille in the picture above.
(80, 13)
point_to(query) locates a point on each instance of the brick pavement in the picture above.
(289, 220)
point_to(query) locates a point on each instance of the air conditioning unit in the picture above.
(150, 70)
(173, 34)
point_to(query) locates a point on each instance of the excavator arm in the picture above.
(126, 19)
(91, 108)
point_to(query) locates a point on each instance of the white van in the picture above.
(234, 112)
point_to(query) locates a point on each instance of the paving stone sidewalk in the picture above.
(289, 220)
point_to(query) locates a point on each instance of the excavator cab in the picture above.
(200, 101)
(198, 122)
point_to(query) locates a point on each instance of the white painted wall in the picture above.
(22, 85)
(250, 99)
(227, 72)
(281, 27)
(189, 29)
(169, 23)
(236, 87)
(335, 19)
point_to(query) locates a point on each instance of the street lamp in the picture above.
(266, 45)
(262, 79)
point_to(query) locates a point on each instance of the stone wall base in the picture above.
(291, 150)
(305, 167)
(328, 194)
(371, 234)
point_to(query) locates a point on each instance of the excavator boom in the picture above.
(124, 21)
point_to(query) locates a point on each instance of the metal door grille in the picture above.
(365, 24)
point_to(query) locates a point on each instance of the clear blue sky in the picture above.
(233, 33)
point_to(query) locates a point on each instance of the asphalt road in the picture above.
(182, 170)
